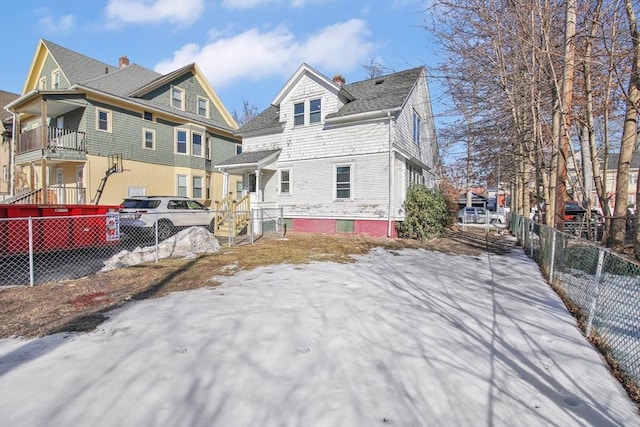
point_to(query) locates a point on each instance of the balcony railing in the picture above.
(56, 140)
(56, 195)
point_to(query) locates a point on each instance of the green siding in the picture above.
(47, 68)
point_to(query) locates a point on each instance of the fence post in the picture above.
(594, 301)
(529, 233)
(156, 227)
(232, 226)
(251, 226)
(552, 261)
(31, 266)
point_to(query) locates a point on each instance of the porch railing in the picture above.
(56, 195)
(56, 139)
(232, 214)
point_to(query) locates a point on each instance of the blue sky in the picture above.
(247, 49)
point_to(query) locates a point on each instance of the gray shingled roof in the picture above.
(115, 81)
(75, 66)
(268, 119)
(248, 158)
(5, 99)
(612, 163)
(376, 94)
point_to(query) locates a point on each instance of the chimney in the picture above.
(339, 80)
(124, 62)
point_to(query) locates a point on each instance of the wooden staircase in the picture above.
(233, 216)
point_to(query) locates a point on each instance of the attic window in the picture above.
(379, 81)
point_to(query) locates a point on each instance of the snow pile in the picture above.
(188, 242)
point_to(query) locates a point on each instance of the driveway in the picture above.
(402, 338)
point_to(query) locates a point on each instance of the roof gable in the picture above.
(75, 67)
(303, 70)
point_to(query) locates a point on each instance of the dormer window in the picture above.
(314, 111)
(177, 98)
(203, 107)
(298, 114)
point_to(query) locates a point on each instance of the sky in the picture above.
(398, 338)
(247, 49)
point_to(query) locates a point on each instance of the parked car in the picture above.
(475, 215)
(138, 215)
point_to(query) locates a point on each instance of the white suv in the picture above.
(139, 214)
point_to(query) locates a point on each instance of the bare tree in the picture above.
(249, 111)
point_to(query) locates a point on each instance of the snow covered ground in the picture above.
(402, 338)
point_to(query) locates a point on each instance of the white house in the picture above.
(339, 157)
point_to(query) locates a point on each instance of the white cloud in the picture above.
(248, 4)
(145, 11)
(57, 24)
(255, 55)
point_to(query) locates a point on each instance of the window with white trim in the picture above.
(42, 84)
(298, 114)
(181, 185)
(197, 187)
(315, 107)
(55, 80)
(343, 181)
(149, 139)
(207, 149)
(417, 124)
(203, 107)
(196, 144)
(5, 173)
(181, 141)
(284, 178)
(177, 97)
(238, 149)
(633, 178)
(147, 115)
(103, 120)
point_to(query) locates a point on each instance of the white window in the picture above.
(416, 127)
(196, 144)
(285, 181)
(203, 107)
(103, 120)
(197, 187)
(42, 84)
(314, 111)
(177, 98)
(343, 182)
(298, 114)
(5, 173)
(633, 178)
(149, 139)
(207, 149)
(55, 80)
(181, 185)
(181, 142)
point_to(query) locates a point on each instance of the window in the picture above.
(633, 178)
(252, 183)
(42, 84)
(148, 139)
(181, 142)
(207, 149)
(103, 120)
(285, 181)
(147, 115)
(238, 149)
(314, 111)
(239, 188)
(5, 173)
(177, 98)
(416, 128)
(181, 185)
(343, 181)
(298, 114)
(196, 144)
(55, 80)
(197, 187)
(203, 107)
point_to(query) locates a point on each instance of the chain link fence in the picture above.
(36, 250)
(599, 286)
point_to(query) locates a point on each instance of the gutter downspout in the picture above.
(391, 178)
(12, 148)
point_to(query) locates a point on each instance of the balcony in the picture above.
(58, 142)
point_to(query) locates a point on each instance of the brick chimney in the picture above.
(124, 62)
(339, 80)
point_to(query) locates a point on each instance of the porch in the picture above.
(52, 142)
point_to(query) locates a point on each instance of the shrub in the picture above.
(426, 214)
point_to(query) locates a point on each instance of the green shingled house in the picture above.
(78, 120)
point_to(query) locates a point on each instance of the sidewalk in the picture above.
(405, 338)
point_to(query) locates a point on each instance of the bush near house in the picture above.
(426, 214)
